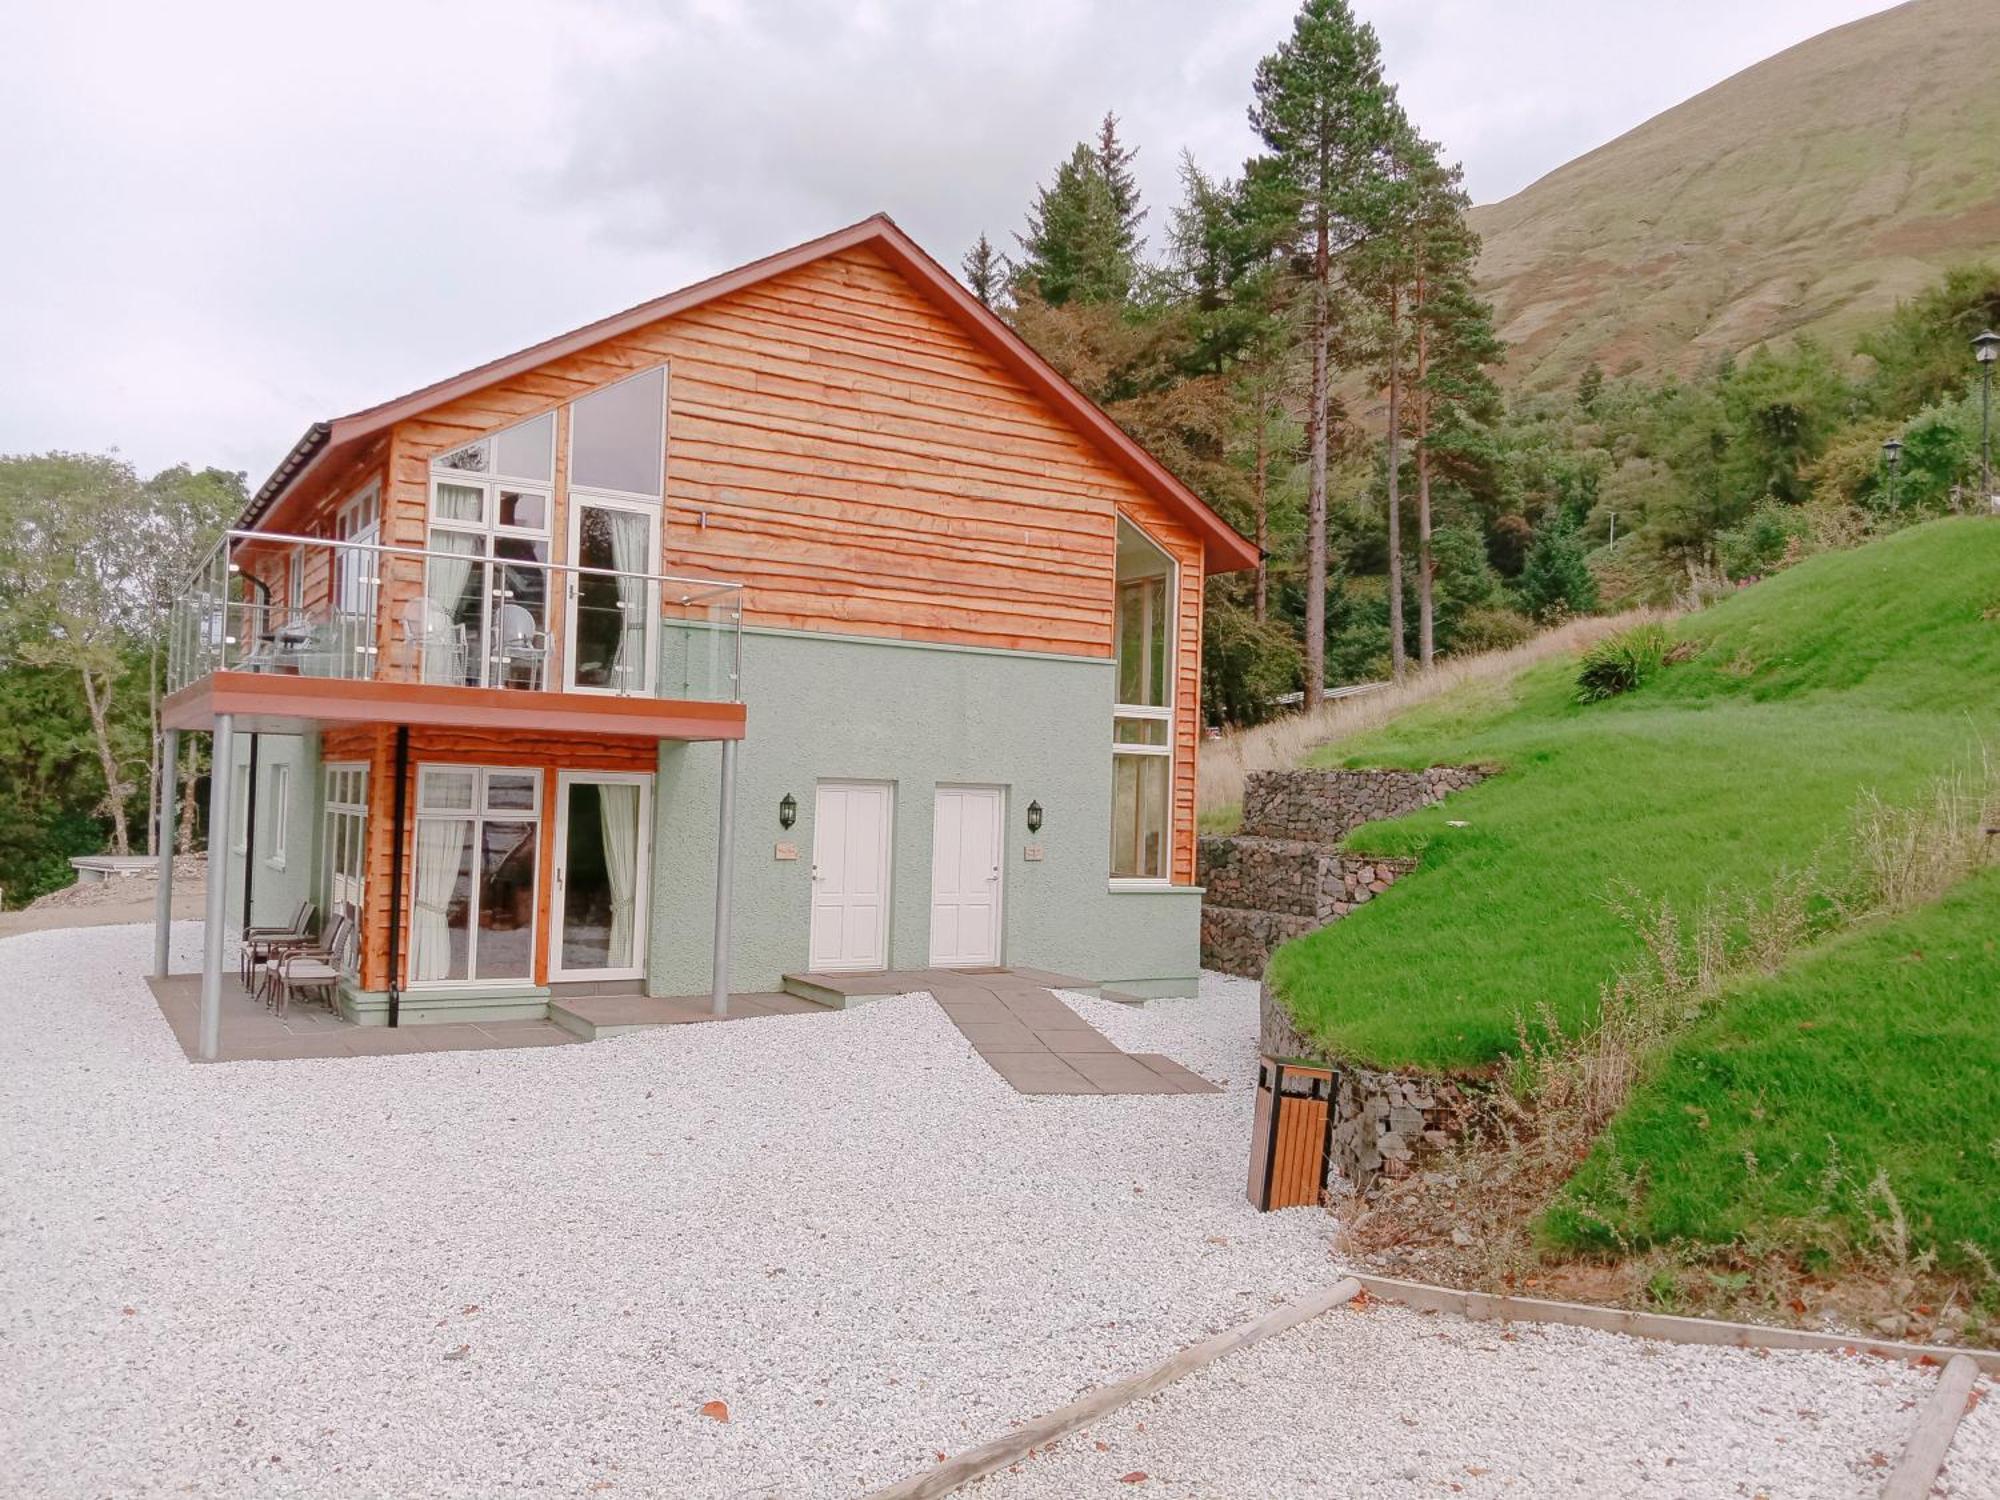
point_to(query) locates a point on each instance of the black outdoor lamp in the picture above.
(1034, 817)
(1986, 349)
(1892, 455)
(788, 810)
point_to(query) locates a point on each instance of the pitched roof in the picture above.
(1225, 548)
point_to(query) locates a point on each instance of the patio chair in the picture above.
(257, 941)
(433, 641)
(318, 970)
(520, 644)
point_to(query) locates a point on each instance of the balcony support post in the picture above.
(163, 846)
(725, 871)
(221, 776)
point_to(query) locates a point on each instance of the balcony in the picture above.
(286, 632)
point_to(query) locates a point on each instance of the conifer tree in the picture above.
(985, 270)
(1114, 160)
(1327, 117)
(1080, 244)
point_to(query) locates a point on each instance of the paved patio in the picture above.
(1039, 1045)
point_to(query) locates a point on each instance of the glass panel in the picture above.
(1142, 643)
(441, 628)
(441, 915)
(520, 646)
(511, 791)
(507, 900)
(611, 612)
(526, 509)
(601, 877)
(471, 459)
(527, 451)
(618, 436)
(447, 791)
(461, 502)
(1139, 816)
(1139, 731)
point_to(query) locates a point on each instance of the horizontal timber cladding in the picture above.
(862, 466)
(376, 744)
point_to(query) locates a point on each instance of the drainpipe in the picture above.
(221, 777)
(163, 899)
(725, 870)
(396, 874)
(250, 829)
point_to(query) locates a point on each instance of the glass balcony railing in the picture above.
(466, 614)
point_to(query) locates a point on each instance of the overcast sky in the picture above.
(221, 221)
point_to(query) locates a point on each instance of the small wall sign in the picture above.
(1032, 854)
(785, 851)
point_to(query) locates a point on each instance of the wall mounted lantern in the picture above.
(1034, 817)
(788, 810)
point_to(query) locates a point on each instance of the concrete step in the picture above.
(593, 1016)
(846, 991)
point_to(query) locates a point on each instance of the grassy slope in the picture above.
(1879, 1047)
(1805, 194)
(1871, 669)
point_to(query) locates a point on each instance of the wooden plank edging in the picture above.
(1490, 1307)
(976, 1463)
(1937, 1424)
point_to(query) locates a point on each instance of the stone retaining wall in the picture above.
(1328, 805)
(1295, 876)
(1384, 1122)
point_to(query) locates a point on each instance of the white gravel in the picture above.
(509, 1273)
(1384, 1401)
(1972, 1467)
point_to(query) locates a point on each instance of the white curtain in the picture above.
(618, 811)
(444, 586)
(629, 531)
(440, 851)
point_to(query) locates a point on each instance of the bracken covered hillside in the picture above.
(1805, 194)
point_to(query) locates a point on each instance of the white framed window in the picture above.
(484, 617)
(281, 814)
(239, 811)
(356, 571)
(474, 898)
(295, 584)
(1142, 716)
(344, 873)
(618, 438)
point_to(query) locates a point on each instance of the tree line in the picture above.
(1303, 343)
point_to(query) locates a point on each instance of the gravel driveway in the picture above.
(1384, 1401)
(525, 1272)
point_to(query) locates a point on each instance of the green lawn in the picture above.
(1870, 669)
(1876, 1052)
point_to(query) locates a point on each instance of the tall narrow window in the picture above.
(1142, 756)
(281, 812)
(483, 619)
(617, 474)
(344, 877)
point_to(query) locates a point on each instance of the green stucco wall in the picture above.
(830, 708)
(276, 891)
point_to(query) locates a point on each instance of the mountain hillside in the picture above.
(1807, 193)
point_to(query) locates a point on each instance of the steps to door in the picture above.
(1285, 874)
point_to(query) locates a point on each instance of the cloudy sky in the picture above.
(227, 218)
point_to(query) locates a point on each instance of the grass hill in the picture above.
(1868, 671)
(1805, 194)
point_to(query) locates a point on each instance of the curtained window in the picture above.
(1142, 716)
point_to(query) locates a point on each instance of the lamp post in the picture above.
(1892, 455)
(1986, 349)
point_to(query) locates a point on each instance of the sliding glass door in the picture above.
(598, 912)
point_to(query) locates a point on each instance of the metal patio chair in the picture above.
(317, 970)
(257, 942)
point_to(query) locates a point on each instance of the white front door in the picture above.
(597, 914)
(850, 874)
(965, 877)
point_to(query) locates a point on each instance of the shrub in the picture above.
(1493, 629)
(1772, 536)
(1555, 580)
(1622, 662)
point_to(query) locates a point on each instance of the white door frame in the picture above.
(880, 959)
(641, 890)
(650, 509)
(974, 961)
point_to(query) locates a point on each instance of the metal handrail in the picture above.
(720, 585)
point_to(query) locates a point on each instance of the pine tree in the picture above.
(1327, 117)
(1080, 244)
(985, 270)
(1114, 160)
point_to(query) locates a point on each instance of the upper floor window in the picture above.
(483, 619)
(1142, 717)
(618, 436)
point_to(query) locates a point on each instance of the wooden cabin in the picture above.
(803, 619)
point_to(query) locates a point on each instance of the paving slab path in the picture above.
(1040, 1045)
